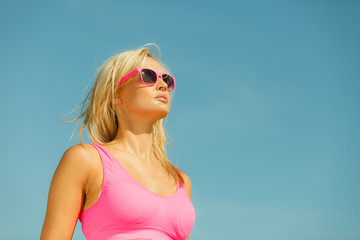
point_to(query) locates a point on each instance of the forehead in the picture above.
(152, 64)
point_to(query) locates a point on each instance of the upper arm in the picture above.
(188, 186)
(66, 194)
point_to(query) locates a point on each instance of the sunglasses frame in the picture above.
(138, 70)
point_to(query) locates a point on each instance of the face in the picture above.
(140, 99)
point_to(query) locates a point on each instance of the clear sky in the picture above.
(265, 118)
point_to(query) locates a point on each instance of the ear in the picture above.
(117, 100)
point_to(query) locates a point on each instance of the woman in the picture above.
(122, 186)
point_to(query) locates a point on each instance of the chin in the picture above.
(162, 114)
(156, 112)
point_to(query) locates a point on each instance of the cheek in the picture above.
(134, 94)
(140, 98)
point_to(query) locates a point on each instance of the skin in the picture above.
(77, 181)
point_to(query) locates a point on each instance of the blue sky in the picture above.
(265, 118)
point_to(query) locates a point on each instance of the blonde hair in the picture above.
(99, 113)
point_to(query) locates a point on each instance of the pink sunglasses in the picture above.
(150, 77)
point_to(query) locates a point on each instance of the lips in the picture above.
(162, 98)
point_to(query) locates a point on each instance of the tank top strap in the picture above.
(106, 158)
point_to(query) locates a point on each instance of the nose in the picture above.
(160, 84)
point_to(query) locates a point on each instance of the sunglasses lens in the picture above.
(148, 76)
(169, 81)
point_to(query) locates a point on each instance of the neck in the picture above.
(135, 138)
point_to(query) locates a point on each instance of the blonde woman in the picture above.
(122, 186)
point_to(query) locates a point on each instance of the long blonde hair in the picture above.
(99, 113)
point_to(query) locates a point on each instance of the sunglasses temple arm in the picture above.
(127, 76)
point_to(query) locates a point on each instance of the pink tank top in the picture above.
(127, 210)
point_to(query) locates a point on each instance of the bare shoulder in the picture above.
(81, 148)
(80, 153)
(67, 191)
(80, 157)
(187, 182)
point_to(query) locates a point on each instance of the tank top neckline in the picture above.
(133, 179)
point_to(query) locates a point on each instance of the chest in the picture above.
(127, 205)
